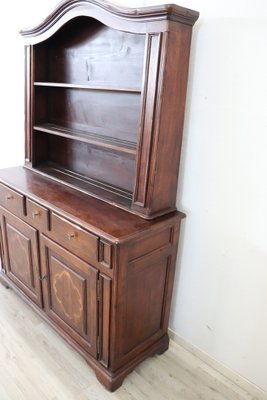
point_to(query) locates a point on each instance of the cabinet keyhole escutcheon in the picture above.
(71, 235)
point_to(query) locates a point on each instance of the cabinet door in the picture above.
(1, 249)
(70, 293)
(20, 247)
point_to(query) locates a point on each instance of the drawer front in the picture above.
(11, 200)
(74, 238)
(37, 215)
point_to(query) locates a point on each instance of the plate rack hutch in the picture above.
(88, 227)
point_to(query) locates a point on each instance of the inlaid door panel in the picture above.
(20, 244)
(70, 293)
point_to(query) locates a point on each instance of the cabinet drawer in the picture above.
(74, 238)
(37, 215)
(11, 200)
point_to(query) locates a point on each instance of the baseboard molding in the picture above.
(243, 383)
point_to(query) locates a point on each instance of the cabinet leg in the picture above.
(162, 351)
(113, 380)
(4, 283)
(164, 345)
(109, 382)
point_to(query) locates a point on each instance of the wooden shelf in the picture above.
(88, 87)
(86, 185)
(106, 142)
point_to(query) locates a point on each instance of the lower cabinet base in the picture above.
(111, 380)
(101, 278)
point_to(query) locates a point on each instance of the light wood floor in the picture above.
(36, 364)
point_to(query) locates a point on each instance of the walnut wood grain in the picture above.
(12, 200)
(91, 47)
(104, 318)
(105, 91)
(96, 216)
(101, 9)
(70, 297)
(20, 245)
(73, 237)
(37, 215)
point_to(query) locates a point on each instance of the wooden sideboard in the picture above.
(88, 226)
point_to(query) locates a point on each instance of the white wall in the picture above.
(220, 294)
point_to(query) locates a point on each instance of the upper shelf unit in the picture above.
(86, 53)
(105, 101)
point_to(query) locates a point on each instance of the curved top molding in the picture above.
(109, 14)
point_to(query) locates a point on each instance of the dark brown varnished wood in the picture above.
(37, 215)
(73, 237)
(105, 255)
(147, 275)
(109, 101)
(111, 380)
(98, 189)
(93, 55)
(84, 210)
(20, 245)
(130, 273)
(95, 202)
(29, 78)
(106, 113)
(105, 287)
(132, 19)
(12, 200)
(101, 141)
(166, 157)
(2, 262)
(70, 295)
(69, 155)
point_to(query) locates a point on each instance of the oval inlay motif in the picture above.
(68, 296)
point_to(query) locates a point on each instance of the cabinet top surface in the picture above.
(95, 215)
(111, 15)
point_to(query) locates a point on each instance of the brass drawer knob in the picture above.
(9, 197)
(70, 236)
(35, 214)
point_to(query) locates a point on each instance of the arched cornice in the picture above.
(122, 18)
